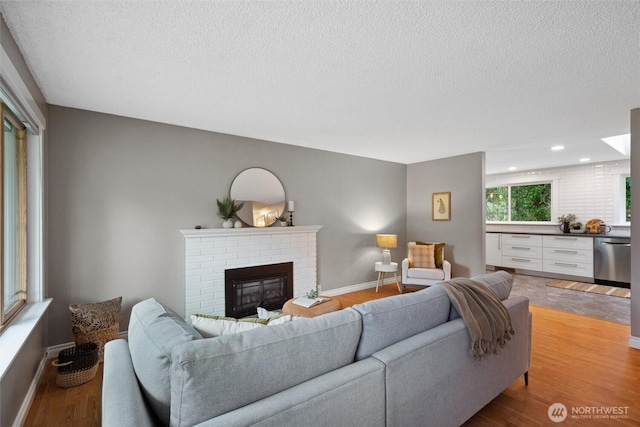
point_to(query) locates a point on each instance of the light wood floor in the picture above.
(576, 360)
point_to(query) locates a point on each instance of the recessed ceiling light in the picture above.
(621, 143)
(512, 168)
(557, 147)
(585, 159)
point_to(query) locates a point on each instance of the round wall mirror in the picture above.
(262, 194)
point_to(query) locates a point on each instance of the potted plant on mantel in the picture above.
(227, 209)
(283, 220)
(565, 220)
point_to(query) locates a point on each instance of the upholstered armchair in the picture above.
(425, 264)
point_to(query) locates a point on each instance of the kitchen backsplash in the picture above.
(588, 191)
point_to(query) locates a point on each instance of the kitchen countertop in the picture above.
(618, 234)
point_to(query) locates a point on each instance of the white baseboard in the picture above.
(31, 393)
(54, 350)
(634, 342)
(357, 287)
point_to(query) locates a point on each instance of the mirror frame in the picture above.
(258, 212)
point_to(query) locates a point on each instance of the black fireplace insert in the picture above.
(267, 286)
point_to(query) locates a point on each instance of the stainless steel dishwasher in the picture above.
(612, 261)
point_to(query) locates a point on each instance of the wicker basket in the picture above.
(77, 365)
(100, 337)
(97, 322)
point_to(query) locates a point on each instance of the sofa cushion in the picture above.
(153, 332)
(426, 273)
(421, 256)
(389, 320)
(210, 377)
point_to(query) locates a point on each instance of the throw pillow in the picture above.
(263, 313)
(216, 326)
(274, 317)
(438, 252)
(280, 319)
(421, 256)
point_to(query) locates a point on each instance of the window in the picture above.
(497, 208)
(13, 213)
(530, 202)
(627, 215)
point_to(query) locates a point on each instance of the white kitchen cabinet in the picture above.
(522, 251)
(568, 242)
(570, 255)
(521, 239)
(558, 254)
(493, 249)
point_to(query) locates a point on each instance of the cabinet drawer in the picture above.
(521, 239)
(571, 268)
(568, 255)
(525, 251)
(568, 242)
(522, 262)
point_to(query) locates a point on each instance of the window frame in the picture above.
(8, 313)
(554, 204)
(620, 199)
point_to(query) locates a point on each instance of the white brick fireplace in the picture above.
(209, 252)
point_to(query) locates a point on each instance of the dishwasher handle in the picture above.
(616, 244)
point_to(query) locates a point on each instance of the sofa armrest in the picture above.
(452, 384)
(122, 400)
(446, 267)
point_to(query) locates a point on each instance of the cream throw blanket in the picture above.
(487, 319)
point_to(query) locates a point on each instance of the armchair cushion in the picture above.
(421, 256)
(426, 273)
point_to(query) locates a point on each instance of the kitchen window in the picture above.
(13, 215)
(523, 202)
(627, 214)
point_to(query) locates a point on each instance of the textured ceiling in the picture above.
(399, 81)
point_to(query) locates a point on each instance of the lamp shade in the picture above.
(386, 240)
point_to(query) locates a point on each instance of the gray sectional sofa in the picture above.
(397, 361)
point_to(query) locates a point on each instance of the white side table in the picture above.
(386, 268)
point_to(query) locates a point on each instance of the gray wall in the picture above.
(121, 188)
(635, 225)
(463, 176)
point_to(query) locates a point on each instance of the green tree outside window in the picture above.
(497, 204)
(628, 199)
(531, 202)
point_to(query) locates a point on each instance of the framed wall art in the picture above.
(441, 206)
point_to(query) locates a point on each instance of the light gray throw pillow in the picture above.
(153, 332)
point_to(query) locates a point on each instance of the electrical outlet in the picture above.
(319, 288)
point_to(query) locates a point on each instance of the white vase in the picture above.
(227, 223)
(237, 224)
(283, 223)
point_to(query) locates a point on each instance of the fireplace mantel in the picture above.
(244, 231)
(209, 252)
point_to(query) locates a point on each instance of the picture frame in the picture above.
(441, 206)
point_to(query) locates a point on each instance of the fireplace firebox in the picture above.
(267, 286)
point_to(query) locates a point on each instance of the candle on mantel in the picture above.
(291, 206)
